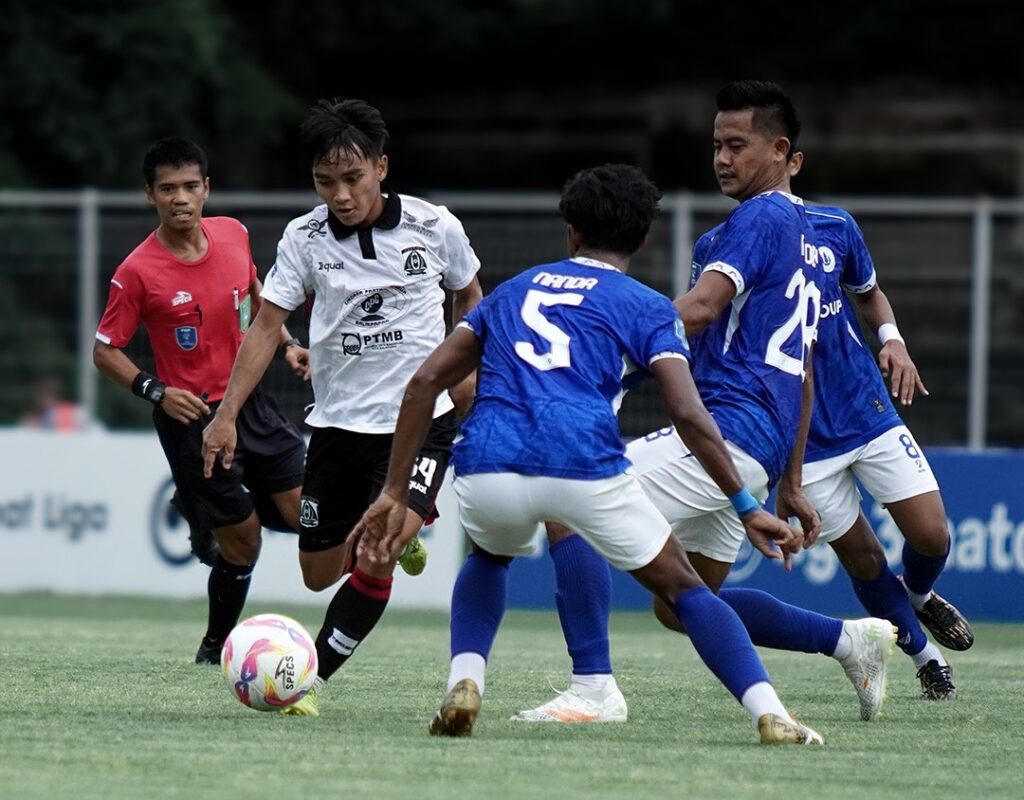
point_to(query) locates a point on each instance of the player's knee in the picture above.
(930, 540)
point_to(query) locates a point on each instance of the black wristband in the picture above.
(290, 343)
(149, 387)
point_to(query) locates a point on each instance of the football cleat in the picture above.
(872, 640)
(949, 627)
(773, 729)
(414, 558)
(579, 705)
(209, 652)
(306, 706)
(458, 710)
(936, 681)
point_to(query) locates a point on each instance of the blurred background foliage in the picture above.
(505, 94)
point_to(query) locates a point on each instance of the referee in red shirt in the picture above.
(192, 284)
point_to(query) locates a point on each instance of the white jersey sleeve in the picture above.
(287, 283)
(461, 262)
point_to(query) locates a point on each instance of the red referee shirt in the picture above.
(195, 312)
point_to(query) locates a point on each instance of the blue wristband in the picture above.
(744, 502)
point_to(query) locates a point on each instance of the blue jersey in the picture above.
(851, 403)
(556, 341)
(749, 362)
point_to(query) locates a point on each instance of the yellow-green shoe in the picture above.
(414, 558)
(308, 705)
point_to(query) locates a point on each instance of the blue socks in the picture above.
(885, 597)
(772, 623)
(478, 603)
(919, 571)
(721, 640)
(583, 594)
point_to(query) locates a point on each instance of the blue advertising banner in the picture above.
(984, 577)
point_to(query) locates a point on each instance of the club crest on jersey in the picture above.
(316, 227)
(309, 512)
(187, 337)
(415, 263)
(180, 298)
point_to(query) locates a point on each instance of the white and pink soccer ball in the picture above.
(269, 661)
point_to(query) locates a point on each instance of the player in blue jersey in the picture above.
(751, 315)
(856, 434)
(542, 443)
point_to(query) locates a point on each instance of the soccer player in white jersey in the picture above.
(542, 443)
(377, 266)
(747, 316)
(856, 434)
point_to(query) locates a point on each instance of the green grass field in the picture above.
(100, 699)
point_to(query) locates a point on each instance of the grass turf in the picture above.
(100, 699)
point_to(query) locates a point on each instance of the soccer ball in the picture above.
(269, 661)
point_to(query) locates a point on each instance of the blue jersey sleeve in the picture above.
(858, 274)
(738, 251)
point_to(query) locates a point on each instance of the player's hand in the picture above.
(297, 357)
(182, 405)
(219, 437)
(463, 393)
(380, 529)
(791, 502)
(766, 532)
(895, 363)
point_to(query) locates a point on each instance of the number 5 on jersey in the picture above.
(558, 356)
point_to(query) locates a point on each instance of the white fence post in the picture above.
(981, 289)
(88, 275)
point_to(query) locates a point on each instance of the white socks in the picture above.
(844, 647)
(467, 665)
(929, 653)
(760, 699)
(594, 684)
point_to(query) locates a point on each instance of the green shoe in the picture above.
(414, 558)
(307, 706)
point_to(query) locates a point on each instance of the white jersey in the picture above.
(378, 307)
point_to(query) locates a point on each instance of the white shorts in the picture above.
(500, 512)
(891, 467)
(698, 511)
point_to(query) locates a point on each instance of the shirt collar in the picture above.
(388, 220)
(593, 262)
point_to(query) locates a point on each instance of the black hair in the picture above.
(343, 124)
(172, 151)
(611, 206)
(774, 112)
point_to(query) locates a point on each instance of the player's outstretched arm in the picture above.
(464, 301)
(251, 362)
(179, 404)
(699, 307)
(700, 434)
(893, 359)
(381, 525)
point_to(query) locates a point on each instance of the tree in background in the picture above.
(88, 85)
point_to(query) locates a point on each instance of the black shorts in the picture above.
(345, 472)
(269, 458)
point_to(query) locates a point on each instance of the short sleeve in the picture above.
(123, 313)
(742, 247)
(461, 262)
(285, 285)
(657, 333)
(858, 275)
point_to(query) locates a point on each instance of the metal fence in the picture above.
(952, 268)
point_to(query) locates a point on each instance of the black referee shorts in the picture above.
(269, 458)
(345, 472)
